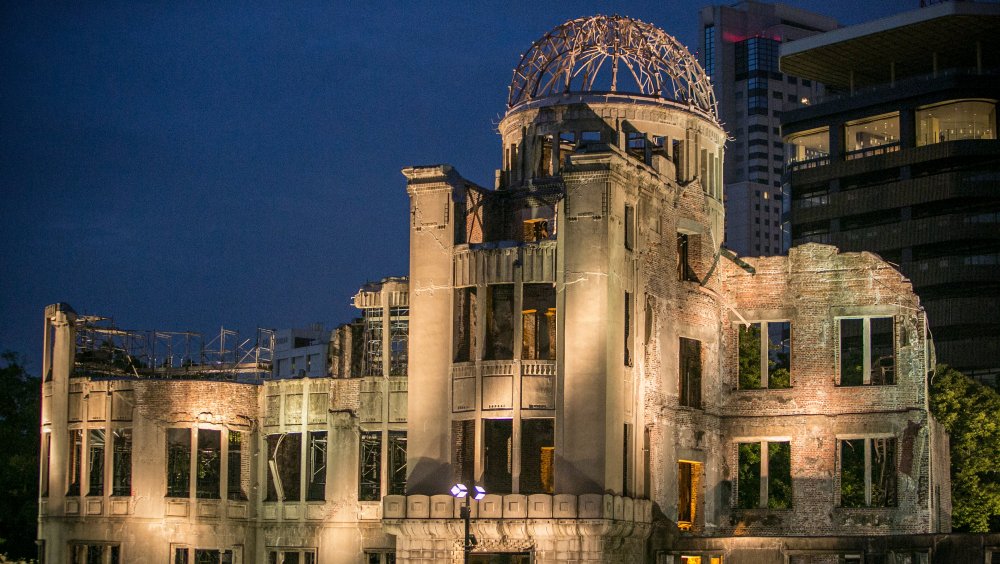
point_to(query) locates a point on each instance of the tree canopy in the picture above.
(19, 418)
(971, 414)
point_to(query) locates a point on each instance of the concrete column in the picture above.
(432, 234)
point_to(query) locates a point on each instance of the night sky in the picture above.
(179, 165)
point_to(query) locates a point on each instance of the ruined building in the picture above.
(575, 340)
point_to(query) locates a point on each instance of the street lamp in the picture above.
(461, 491)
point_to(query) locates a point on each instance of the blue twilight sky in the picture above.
(186, 165)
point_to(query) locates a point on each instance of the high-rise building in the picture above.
(739, 52)
(901, 157)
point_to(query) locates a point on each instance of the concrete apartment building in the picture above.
(902, 158)
(739, 51)
(583, 347)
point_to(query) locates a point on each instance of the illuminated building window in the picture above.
(690, 372)
(537, 456)
(238, 468)
(316, 474)
(688, 482)
(179, 462)
(765, 363)
(868, 472)
(370, 479)
(538, 322)
(867, 351)
(89, 552)
(284, 467)
(209, 463)
(497, 455)
(871, 136)
(764, 479)
(121, 472)
(536, 229)
(188, 555)
(291, 556)
(955, 120)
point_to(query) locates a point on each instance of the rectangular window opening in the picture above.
(690, 372)
(688, 482)
(284, 467)
(684, 271)
(497, 455)
(397, 462)
(867, 351)
(500, 323)
(95, 462)
(122, 463)
(209, 463)
(538, 317)
(370, 480)
(317, 466)
(179, 462)
(537, 456)
(238, 472)
(465, 324)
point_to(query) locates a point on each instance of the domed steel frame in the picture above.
(570, 58)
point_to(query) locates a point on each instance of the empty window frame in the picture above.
(465, 324)
(75, 461)
(867, 351)
(764, 477)
(95, 462)
(87, 552)
(764, 363)
(209, 473)
(688, 483)
(188, 555)
(121, 461)
(46, 459)
(538, 322)
(537, 456)
(370, 472)
(238, 467)
(868, 472)
(497, 455)
(372, 360)
(179, 462)
(399, 331)
(284, 467)
(397, 463)
(291, 556)
(690, 372)
(500, 323)
(627, 321)
(316, 475)
(684, 271)
(629, 227)
(380, 557)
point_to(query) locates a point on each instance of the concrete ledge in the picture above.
(517, 506)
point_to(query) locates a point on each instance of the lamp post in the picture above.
(461, 491)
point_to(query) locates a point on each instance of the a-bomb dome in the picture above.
(611, 54)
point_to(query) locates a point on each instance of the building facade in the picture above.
(583, 347)
(902, 158)
(739, 51)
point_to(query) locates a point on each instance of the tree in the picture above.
(969, 412)
(19, 423)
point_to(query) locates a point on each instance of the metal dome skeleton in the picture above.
(571, 58)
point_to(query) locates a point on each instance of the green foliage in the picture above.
(779, 475)
(749, 476)
(19, 423)
(749, 350)
(970, 412)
